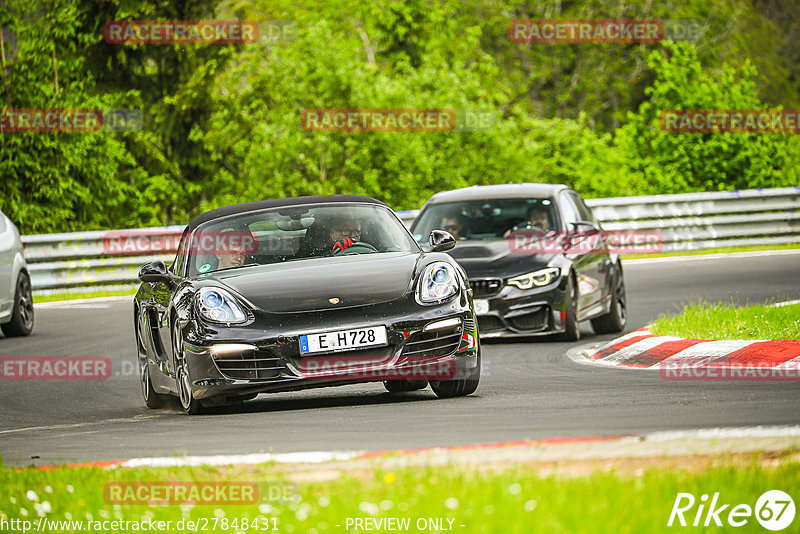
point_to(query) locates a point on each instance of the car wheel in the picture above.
(614, 321)
(572, 327)
(152, 399)
(22, 315)
(399, 386)
(183, 382)
(458, 388)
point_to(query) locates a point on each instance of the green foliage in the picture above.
(222, 122)
(684, 162)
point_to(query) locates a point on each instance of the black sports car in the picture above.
(289, 294)
(535, 257)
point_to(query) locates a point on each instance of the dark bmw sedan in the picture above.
(298, 293)
(535, 257)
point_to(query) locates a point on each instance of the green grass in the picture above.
(514, 500)
(723, 321)
(719, 250)
(84, 295)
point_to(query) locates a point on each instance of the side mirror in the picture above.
(155, 271)
(441, 241)
(585, 228)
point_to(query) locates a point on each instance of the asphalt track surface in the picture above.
(529, 390)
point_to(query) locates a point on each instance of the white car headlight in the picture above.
(542, 277)
(218, 306)
(437, 283)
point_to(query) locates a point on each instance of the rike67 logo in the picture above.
(774, 510)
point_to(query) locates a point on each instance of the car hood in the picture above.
(494, 259)
(307, 285)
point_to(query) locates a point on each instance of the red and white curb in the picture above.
(644, 350)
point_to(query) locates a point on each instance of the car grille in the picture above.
(251, 365)
(486, 287)
(530, 321)
(434, 343)
(488, 323)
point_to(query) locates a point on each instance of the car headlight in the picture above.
(437, 283)
(542, 277)
(217, 305)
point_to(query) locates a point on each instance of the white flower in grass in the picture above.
(70, 488)
(48, 489)
(451, 503)
(488, 509)
(530, 505)
(31, 495)
(23, 512)
(219, 512)
(324, 501)
(368, 507)
(515, 489)
(386, 504)
(264, 508)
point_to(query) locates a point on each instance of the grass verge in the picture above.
(84, 295)
(722, 321)
(719, 250)
(517, 499)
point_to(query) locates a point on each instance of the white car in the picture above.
(16, 298)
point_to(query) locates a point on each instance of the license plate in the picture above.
(343, 340)
(481, 306)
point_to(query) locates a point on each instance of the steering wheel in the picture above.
(358, 247)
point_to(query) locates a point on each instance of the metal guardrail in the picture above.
(107, 260)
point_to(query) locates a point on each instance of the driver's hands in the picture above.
(341, 245)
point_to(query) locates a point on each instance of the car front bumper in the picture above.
(265, 356)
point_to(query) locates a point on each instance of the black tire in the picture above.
(189, 404)
(152, 399)
(22, 312)
(614, 321)
(400, 386)
(458, 388)
(572, 327)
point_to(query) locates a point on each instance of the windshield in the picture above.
(296, 233)
(487, 219)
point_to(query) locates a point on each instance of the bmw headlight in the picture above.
(217, 305)
(539, 278)
(437, 283)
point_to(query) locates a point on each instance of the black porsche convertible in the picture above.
(290, 294)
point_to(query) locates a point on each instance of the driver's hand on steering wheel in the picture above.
(341, 245)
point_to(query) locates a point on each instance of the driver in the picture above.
(537, 218)
(345, 232)
(231, 252)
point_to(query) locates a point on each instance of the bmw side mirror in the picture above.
(441, 241)
(155, 271)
